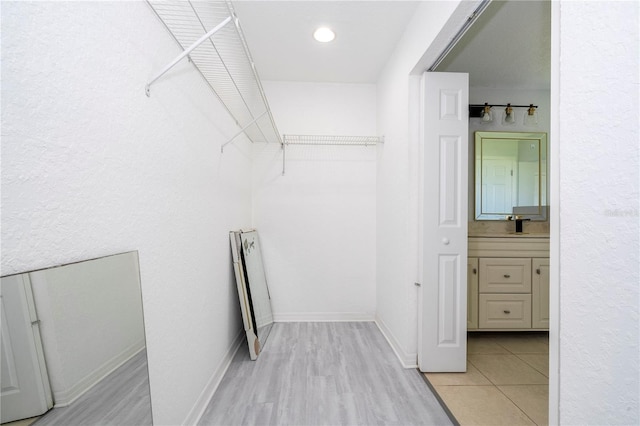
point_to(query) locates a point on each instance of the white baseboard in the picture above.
(323, 317)
(65, 397)
(408, 360)
(203, 400)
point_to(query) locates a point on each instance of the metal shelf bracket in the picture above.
(185, 53)
(224, 62)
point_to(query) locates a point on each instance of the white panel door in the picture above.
(497, 186)
(25, 386)
(444, 133)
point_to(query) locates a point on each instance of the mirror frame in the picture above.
(541, 213)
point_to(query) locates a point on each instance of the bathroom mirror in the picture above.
(253, 292)
(511, 175)
(85, 349)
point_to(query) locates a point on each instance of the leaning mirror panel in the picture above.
(253, 292)
(77, 343)
(510, 175)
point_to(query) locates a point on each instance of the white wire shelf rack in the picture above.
(210, 35)
(331, 140)
(326, 140)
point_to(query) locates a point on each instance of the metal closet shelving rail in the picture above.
(210, 35)
(211, 38)
(326, 140)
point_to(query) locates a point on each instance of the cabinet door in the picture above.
(505, 275)
(540, 293)
(472, 293)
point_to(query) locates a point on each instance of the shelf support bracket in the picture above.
(284, 155)
(186, 53)
(242, 131)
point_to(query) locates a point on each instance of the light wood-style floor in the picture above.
(121, 398)
(323, 374)
(506, 383)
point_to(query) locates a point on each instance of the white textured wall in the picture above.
(397, 182)
(599, 225)
(91, 166)
(317, 223)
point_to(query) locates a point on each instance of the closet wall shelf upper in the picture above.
(210, 35)
(326, 140)
(331, 140)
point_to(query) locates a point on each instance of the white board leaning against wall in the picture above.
(253, 292)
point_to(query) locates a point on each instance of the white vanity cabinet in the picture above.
(508, 283)
(540, 289)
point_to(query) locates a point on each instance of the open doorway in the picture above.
(507, 54)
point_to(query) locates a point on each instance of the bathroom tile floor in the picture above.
(506, 383)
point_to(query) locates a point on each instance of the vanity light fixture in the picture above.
(509, 117)
(486, 114)
(531, 117)
(324, 35)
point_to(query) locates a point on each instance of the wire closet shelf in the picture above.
(331, 140)
(326, 140)
(210, 35)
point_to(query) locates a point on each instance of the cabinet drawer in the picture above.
(504, 311)
(505, 275)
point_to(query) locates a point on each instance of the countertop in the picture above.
(510, 235)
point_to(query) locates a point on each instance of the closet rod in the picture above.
(186, 53)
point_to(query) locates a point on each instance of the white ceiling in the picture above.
(279, 35)
(508, 46)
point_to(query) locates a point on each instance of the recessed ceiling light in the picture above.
(324, 35)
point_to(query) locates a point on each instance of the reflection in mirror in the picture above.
(77, 342)
(511, 175)
(255, 301)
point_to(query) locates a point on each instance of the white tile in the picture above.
(507, 370)
(481, 405)
(532, 399)
(472, 377)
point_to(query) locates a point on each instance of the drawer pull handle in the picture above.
(538, 271)
(475, 271)
(506, 311)
(507, 276)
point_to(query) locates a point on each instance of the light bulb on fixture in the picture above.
(531, 117)
(324, 35)
(509, 117)
(486, 114)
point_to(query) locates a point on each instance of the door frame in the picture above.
(553, 174)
